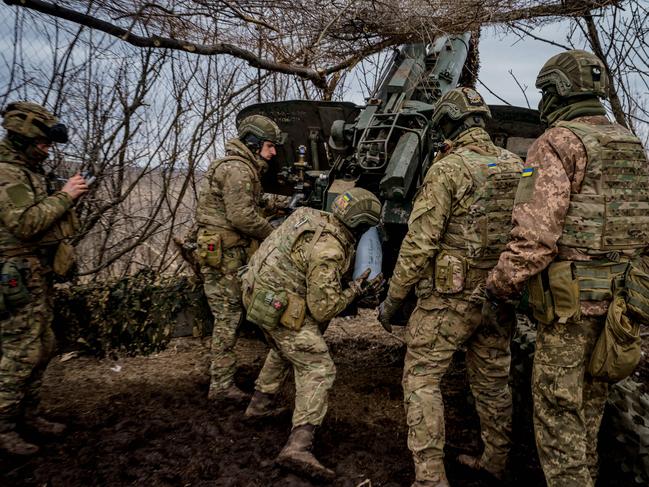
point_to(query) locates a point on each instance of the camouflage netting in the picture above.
(135, 315)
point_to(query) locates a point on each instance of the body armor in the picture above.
(273, 265)
(611, 210)
(479, 227)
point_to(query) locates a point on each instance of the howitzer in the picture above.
(385, 146)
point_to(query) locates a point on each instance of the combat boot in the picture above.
(263, 406)
(296, 454)
(44, 426)
(229, 394)
(440, 481)
(12, 443)
(475, 463)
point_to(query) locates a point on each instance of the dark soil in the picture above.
(146, 421)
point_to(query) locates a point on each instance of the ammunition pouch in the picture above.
(266, 307)
(637, 288)
(450, 273)
(13, 289)
(209, 249)
(556, 293)
(295, 312)
(618, 348)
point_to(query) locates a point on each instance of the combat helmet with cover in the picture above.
(458, 104)
(573, 73)
(32, 121)
(458, 110)
(357, 208)
(260, 128)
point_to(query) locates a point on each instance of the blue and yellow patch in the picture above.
(527, 172)
(492, 164)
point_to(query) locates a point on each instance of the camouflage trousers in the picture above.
(436, 329)
(568, 402)
(314, 370)
(223, 291)
(27, 344)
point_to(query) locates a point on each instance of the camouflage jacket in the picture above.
(289, 260)
(230, 196)
(444, 204)
(28, 215)
(558, 163)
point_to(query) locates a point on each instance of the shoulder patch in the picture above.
(527, 172)
(20, 194)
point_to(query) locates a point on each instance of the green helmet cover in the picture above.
(261, 127)
(33, 121)
(356, 207)
(574, 73)
(460, 103)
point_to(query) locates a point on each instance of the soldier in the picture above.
(230, 227)
(575, 226)
(34, 224)
(458, 226)
(291, 290)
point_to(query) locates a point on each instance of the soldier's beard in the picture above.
(34, 154)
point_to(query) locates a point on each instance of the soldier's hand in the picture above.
(387, 310)
(75, 186)
(372, 292)
(358, 284)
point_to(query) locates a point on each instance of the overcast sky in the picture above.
(499, 54)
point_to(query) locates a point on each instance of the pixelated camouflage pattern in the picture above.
(559, 162)
(307, 353)
(435, 331)
(611, 209)
(230, 196)
(568, 402)
(289, 260)
(223, 291)
(443, 212)
(283, 262)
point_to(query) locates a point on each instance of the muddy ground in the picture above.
(146, 421)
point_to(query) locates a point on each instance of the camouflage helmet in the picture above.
(574, 73)
(261, 127)
(357, 206)
(458, 104)
(33, 121)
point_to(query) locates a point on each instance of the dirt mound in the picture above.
(146, 421)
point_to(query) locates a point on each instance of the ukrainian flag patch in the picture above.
(492, 164)
(527, 172)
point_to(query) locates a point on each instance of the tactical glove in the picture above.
(371, 292)
(387, 310)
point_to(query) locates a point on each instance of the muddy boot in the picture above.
(440, 481)
(263, 406)
(229, 394)
(43, 426)
(296, 454)
(12, 443)
(475, 463)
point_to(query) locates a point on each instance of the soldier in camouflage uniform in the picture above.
(34, 223)
(293, 287)
(230, 226)
(580, 214)
(458, 226)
